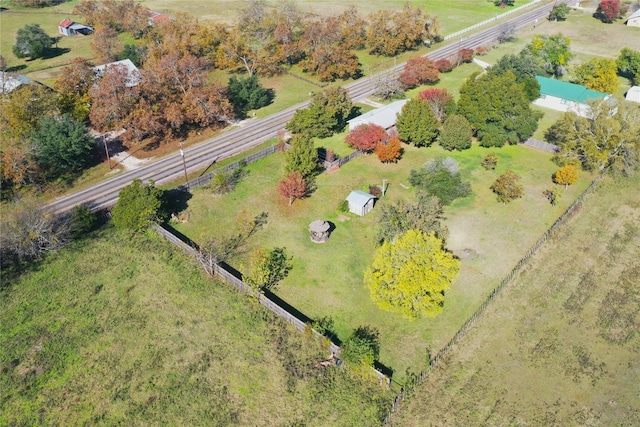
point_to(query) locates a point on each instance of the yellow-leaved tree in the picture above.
(566, 175)
(409, 275)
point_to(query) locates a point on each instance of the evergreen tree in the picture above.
(456, 133)
(247, 94)
(302, 156)
(417, 124)
(31, 41)
(139, 206)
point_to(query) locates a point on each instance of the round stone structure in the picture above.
(319, 231)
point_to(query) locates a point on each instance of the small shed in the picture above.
(633, 94)
(69, 28)
(634, 19)
(360, 202)
(384, 117)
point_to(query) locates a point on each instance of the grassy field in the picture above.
(327, 279)
(122, 331)
(560, 345)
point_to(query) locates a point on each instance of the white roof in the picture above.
(10, 82)
(633, 94)
(359, 198)
(132, 71)
(384, 117)
(635, 14)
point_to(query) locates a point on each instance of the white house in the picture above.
(634, 19)
(633, 94)
(360, 203)
(133, 74)
(69, 28)
(563, 96)
(384, 117)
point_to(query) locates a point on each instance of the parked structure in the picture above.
(360, 203)
(69, 28)
(563, 96)
(634, 19)
(133, 74)
(384, 117)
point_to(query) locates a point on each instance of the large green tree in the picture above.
(247, 94)
(21, 110)
(302, 157)
(417, 124)
(552, 52)
(629, 64)
(268, 268)
(599, 74)
(498, 109)
(456, 133)
(31, 41)
(327, 113)
(409, 276)
(525, 67)
(139, 206)
(62, 146)
(440, 178)
(609, 137)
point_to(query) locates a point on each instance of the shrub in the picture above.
(443, 65)
(490, 161)
(226, 181)
(441, 179)
(375, 190)
(507, 188)
(389, 152)
(343, 206)
(465, 55)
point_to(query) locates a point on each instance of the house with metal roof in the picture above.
(133, 74)
(564, 96)
(360, 202)
(69, 28)
(384, 117)
(634, 19)
(10, 82)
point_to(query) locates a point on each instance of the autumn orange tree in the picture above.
(440, 100)
(293, 186)
(105, 45)
(366, 136)
(389, 151)
(566, 175)
(507, 187)
(418, 71)
(392, 32)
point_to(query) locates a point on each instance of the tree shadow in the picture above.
(15, 68)
(53, 52)
(177, 200)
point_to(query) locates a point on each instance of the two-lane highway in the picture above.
(235, 141)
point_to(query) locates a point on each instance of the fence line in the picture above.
(434, 362)
(490, 20)
(338, 163)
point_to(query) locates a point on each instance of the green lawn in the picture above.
(327, 279)
(116, 330)
(559, 346)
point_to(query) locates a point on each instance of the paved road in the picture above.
(236, 141)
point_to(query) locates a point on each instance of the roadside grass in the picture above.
(121, 330)
(559, 346)
(327, 279)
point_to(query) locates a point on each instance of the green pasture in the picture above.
(327, 279)
(559, 346)
(115, 330)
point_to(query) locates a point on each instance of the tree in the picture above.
(525, 67)
(608, 138)
(443, 65)
(139, 206)
(456, 133)
(225, 181)
(490, 161)
(302, 157)
(418, 71)
(566, 175)
(268, 268)
(503, 3)
(629, 64)
(599, 74)
(31, 41)
(440, 100)
(608, 10)
(293, 186)
(507, 188)
(247, 94)
(465, 56)
(73, 85)
(366, 136)
(62, 146)
(112, 99)
(362, 347)
(552, 52)
(105, 45)
(327, 113)
(22, 109)
(392, 32)
(559, 12)
(507, 33)
(498, 109)
(553, 195)
(440, 178)
(426, 215)
(389, 151)
(388, 87)
(417, 124)
(409, 276)
(29, 230)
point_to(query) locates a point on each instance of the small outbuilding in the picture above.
(633, 94)
(634, 19)
(319, 231)
(69, 28)
(360, 202)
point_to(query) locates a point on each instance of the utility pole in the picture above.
(106, 150)
(184, 165)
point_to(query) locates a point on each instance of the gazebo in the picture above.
(319, 231)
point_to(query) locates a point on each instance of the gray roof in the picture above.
(359, 198)
(634, 14)
(384, 116)
(9, 82)
(132, 71)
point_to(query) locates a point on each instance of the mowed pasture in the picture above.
(560, 345)
(327, 279)
(115, 330)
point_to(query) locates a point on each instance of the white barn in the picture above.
(69, 28)
(384, 117)
(360, 202)
(564, 96)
